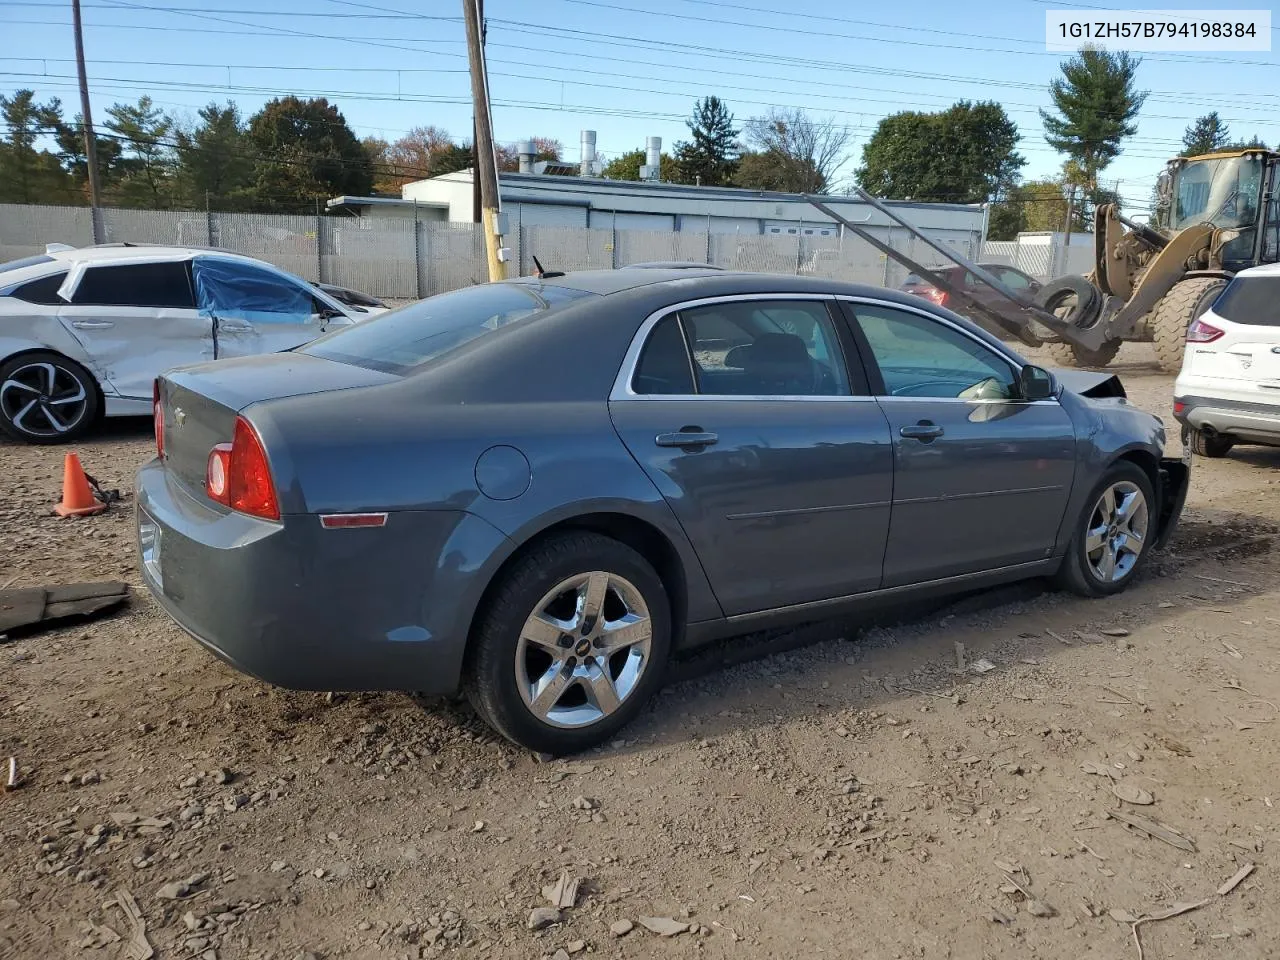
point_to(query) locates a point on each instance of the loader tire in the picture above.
(1070, 354)
(1174, 313)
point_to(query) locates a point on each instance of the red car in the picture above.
(1011, 277)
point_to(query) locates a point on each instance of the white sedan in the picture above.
(85, 332)
(1229, 389)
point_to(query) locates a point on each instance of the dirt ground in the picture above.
(842, 791)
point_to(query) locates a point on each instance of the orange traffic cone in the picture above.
(77, 498)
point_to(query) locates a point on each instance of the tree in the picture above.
(148, 160)
(964, 154)
(1206, 135)
(792, 152)
(305, 152)
(710, 156)
(70, 139)
(1097, 107)
(29, 175)
(1254, 141)
(215, 163)
(626, 166)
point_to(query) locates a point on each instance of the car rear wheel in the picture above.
(574, 641)
(1112, 535)
(46, 398)
(1211, 445)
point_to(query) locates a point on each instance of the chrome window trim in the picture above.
(626, 373)
(1004, 355)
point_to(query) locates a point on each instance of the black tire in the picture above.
(68, 380)
(1056, 294)
(1211, 445)
(1065, 354)
(1174, 313)
(1077, 573)
(491, 677)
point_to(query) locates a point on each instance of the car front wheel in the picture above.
(1113, 534)
(46, 398)
(574, 641)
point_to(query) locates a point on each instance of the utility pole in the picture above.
(476, 207)
(90, 141)
(486, 163)
(1066, 243)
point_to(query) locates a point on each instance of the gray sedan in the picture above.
(538, 490)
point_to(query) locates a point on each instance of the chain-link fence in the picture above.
(400, 258)
(1042, 255)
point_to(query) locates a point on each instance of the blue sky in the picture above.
(558, 66)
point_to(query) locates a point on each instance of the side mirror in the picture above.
(1035, 383)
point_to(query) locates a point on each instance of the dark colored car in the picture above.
(538, 489)
(352, 298)
(1011, 277)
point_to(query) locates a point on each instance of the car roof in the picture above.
(1266, 270)
(136, 251)
(687, 284)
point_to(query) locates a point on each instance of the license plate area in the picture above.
(149, 536)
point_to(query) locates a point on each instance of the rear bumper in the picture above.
(301, 607)
(1252, 422)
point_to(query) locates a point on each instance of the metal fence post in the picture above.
(884, 281)
(613, 243)
(708, 239)
(417, 252)
(319, 244)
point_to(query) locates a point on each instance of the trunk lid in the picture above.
(200, 403)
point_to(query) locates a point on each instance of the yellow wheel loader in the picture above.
(1219, 214)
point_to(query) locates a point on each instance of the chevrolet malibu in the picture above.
(538, 490)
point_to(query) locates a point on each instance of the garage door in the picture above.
(546, 215)
(664, 222)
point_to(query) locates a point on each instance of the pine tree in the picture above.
(711, 156)
(144, 132)
(1097, 108)
(1206, 135)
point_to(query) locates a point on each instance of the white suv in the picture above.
(85, 332)
(1229, 389)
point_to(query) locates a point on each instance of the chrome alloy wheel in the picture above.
(584, 649)
(1117, 531)
(43, 399)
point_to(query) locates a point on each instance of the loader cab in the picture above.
(1233, 191)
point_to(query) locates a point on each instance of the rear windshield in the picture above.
(24, 262)
(403, 339)
(1252, 300)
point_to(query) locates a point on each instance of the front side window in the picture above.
(783, 348)
(231, 289)
(154, 285)
(920, 357)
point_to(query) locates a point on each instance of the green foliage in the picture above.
(1206, 135)
(148, 159)
(965, 154)
(710, 155)
(304, 151)
(1096, 106)
(71, 152)
(215, 165)
(627, 166)
(29, 174)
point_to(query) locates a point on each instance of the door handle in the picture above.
(92, 324)
(225, 327)
(925, 431)
(687, 437)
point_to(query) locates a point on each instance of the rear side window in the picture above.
(153, 285)
(42, 291)
(1251, 300)
(399, 341)
(664, 364)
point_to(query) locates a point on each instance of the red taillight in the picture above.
(157, 415)
(934, 295)
(237, 474)
(1201, 332)
(1178, 406)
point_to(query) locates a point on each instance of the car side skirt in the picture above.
(709, 630)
